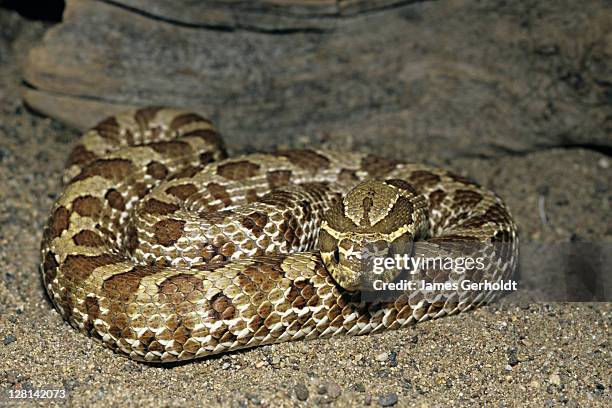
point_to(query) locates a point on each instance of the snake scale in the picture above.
(164, 249)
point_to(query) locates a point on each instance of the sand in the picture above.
(513, 353)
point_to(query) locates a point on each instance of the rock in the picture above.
(279, 16)
(554, 379)
(70, 383)
(301, 392)
(512, 357)
(12, 377)
(603, 163)
(393, 359)
(387, 400)
(253, 398)
(9, 339)
(333, 390)
(382, 357)
(259, 80)
(359, 387)
(521, 356)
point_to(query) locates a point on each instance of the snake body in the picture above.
(164, 249)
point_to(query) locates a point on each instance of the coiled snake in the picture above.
(165, 250)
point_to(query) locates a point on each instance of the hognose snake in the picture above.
(165, 250)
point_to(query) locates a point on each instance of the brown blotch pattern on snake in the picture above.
(219, 192)
(185, 119)
(467, 198)
(306, 159)
(155, 206)
(87, 238)
(182, 191)
(168, 231)
(115, 199)
(144, 116)
(80, 156)
(238, 170)
(59, 221)
(278, 178)
(208, 135)
(77, 268)
(172, 149)
(423, 178)
(157, 170)
(87, 206)
(377, 166)
(109, 129)
(111, 169)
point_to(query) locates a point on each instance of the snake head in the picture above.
(374, 219)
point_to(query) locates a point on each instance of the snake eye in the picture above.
(336, 255)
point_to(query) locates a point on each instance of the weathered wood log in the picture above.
(442, 78)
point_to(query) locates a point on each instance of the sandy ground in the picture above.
(513, 353)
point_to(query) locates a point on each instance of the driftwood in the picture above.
(446, 78)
